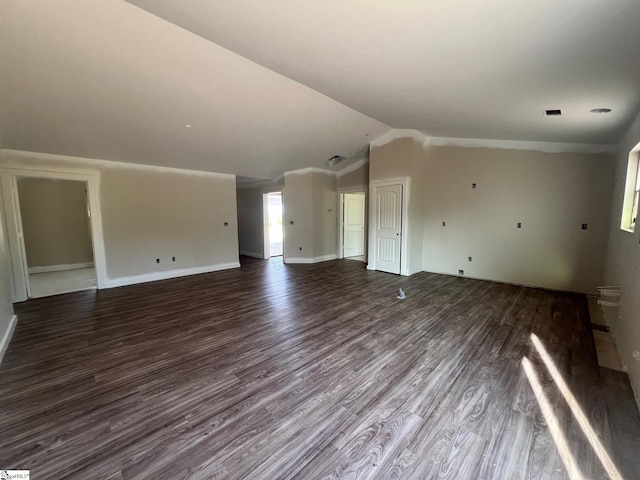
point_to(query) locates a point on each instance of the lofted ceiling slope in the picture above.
(108, 80)
(268, 86)
(475, 69)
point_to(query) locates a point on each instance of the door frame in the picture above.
(341, 192)
(13, 221)
(404, 229)
(266, 246)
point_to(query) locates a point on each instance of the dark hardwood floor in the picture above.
(308, 372)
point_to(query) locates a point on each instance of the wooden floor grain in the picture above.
(306, 372)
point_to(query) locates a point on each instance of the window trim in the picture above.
(631, 192)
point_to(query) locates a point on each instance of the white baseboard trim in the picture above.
(60, 268)
(152, 277)
(251, 254)
(322, 258)
(507, 282)
(299, 260)
(6, 338)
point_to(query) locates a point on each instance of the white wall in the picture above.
(623, 267)
(551, 194)
(54, 222)
(150, 213)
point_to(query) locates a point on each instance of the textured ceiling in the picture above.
(273, 86)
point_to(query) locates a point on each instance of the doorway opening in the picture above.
(90, 213)
(56, 229)
(273, 231)
(353, 225)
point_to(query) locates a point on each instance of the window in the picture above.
(631, 191)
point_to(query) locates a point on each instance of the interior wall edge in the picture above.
(6, 338)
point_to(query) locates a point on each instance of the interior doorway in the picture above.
(273, 231)
(353, 225)
(12, 220)
(56, 230)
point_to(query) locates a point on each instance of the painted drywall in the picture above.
(325, 214)
(150, 213)
(551, 195)
(6, 307)
(311, 203)
(355, 179)
(298, 217)
(623, 266)
(402, 158)
(162, 215)
(54, 222)
(250, 216)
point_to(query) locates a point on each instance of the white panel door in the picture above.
(353, 225)
(388, 216)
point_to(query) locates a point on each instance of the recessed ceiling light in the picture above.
(188, 125)
(600, 110)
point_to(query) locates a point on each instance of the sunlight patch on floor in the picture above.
(576, 410)
(552, 422)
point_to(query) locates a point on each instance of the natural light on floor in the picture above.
(576, 410)
(552, 422)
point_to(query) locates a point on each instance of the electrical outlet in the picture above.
(473, 185)
(173, 259)
(300, 248)
(290, 222)
(519, 225)
(469, 258)
(226, 224)
(460, 272)
(584, 226)
(444, 224)
(157, 260)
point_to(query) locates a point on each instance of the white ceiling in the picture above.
(106, 79)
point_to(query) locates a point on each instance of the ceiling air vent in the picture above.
(336, 159)
(553, 113)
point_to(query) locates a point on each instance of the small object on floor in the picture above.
(401, 294)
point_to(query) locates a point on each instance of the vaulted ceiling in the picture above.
(256, 88)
